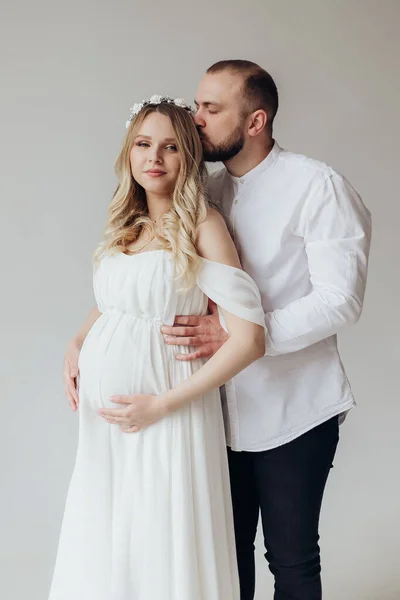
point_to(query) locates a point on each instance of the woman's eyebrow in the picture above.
(148, 137)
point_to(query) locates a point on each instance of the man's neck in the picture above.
(249, 158)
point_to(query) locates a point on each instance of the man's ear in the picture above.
(258, 122)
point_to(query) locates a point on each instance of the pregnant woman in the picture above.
(148, 514)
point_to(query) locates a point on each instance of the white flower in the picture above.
(136, 108)
(180, 102)
(155, 99)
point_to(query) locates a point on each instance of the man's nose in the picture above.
(198, 119)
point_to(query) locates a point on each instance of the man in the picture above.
(303, 234)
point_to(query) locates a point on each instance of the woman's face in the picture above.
(155, 160)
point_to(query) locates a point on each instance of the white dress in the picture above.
(148, 515)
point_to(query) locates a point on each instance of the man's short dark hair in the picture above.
(259, 89)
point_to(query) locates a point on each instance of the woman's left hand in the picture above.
(136, 412)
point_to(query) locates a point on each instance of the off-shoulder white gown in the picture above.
(148, 515)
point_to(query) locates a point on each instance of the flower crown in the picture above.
(136, 108)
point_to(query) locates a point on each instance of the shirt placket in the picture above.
(233, 415)
(230, 391)
(239, 188)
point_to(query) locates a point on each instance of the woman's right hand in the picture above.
(71, 369)
(71, 372)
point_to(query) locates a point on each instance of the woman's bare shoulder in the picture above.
(214, 241)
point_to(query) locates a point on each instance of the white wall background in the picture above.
(70, 72)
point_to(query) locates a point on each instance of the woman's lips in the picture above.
(155, 173)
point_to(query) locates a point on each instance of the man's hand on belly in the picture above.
(205, 333)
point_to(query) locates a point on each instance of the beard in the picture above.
(224, 151)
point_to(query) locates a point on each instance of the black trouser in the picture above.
(287, 484)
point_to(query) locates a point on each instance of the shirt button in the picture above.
(241, 181)
(235, 201)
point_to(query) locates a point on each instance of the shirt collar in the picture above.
(260, 168)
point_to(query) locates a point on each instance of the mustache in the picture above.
(203, 139)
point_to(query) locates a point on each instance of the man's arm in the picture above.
(336, 228)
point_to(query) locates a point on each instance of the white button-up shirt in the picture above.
(303, 234)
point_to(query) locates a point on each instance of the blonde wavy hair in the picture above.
(128, 215)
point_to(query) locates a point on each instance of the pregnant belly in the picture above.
(122, 355)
